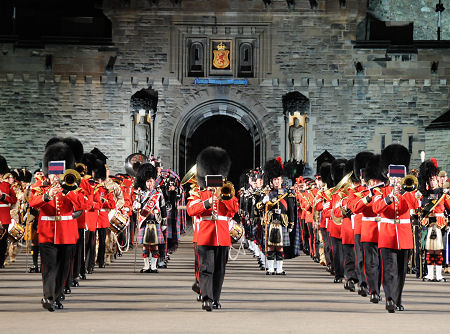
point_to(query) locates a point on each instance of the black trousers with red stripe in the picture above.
(372, 266)
(56, 261)
(349, 262)
(338, 257)
(395, 265)
(213, 260)
(359, 260)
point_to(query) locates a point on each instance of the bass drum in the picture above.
(15, 231)
(236, 231)
(118, 221)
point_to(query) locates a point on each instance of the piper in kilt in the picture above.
(152, 216)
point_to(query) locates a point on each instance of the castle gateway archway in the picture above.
(222, 123)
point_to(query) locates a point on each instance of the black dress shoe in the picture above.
(400, 308)
(350, 285)
(196, 288)
(82, 276)
(90, 270)
(283, 273)
(75, 283)
(199, 298)
(59, 305)
(48, 304)
(337, 280)
(67, 291)
(374, 298)
(217, 306)
(363, 291)
(61, 297)
(102, 265)
(390, 306)
(207, 305)
(33, 269)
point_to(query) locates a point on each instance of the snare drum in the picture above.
(118, 221)
(15, 231)
(236, 231)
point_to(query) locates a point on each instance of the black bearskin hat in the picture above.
(16, 174)
(99, 154)
(272, 169)
(55, 152)
(212, 161)
(76, 146)
(360, 163)
(244, 179)
(145, 171)
(3, 165)
(27, 176)
(337, 170)
(394, 154)
(99, 170)
(52, 141)
(373, 169)
(427, 170)
(349, 169)
(89, 161)
(325, 174)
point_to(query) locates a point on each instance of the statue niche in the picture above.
(295, 107)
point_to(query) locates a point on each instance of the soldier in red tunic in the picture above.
(58, 230)
(7, 198)
(395, 237)
(213, 236)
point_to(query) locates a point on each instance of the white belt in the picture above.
(211, 218)
(56, 218)
(4, 205)
(392, 221)
(102, 210)
(370, 219)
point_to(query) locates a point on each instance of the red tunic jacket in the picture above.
(56, 224)
(212, 232)
(353, 198)
(104, 203)
(369, 227)
(5, 216)
(395, 224)
(333, 228)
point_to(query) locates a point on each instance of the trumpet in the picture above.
(70, 180)
(409, 183)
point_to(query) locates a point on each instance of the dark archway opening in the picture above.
(227, 133)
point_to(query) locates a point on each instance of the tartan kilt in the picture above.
(286, 238)
(173, 221)
(159, 233)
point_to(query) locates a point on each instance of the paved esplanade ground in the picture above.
(117, 300)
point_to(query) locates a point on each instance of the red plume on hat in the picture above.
(280, 161)
(433, 160)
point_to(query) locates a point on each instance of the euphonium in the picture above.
(227, 191)
(409, 183)
(70, 180)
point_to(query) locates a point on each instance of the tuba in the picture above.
(70, 180)
(133, 161)
(190, 177)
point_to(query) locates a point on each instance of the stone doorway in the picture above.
(224, 124)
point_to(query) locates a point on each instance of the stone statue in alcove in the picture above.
(142, 135)
(296, 141)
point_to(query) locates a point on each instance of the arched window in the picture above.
(245, 68)
(196, 60)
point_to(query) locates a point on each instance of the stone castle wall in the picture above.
(309, 51)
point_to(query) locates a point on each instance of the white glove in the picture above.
(326, 205)
(163, 228)
(265, 199)
(136, 206)
(289, 230)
